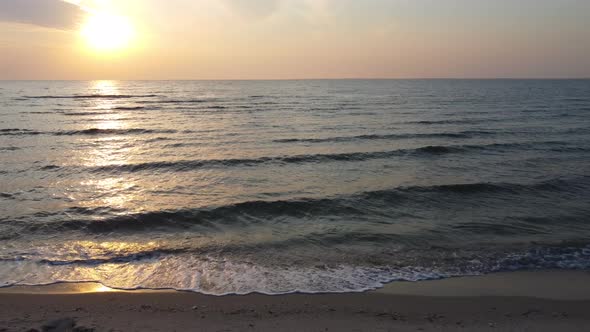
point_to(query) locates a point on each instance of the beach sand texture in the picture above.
(550, 301)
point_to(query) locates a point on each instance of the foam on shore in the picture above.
(555, 285)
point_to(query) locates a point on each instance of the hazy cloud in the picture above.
(254, 8)
(54, 14)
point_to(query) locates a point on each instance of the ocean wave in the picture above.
(555, 185)
(129, 108)
(89, 113)
(188, 165)
(458, 121)
(18, 132)
(464, 134)
(203, 108)
(92, 96)
(497, 228)
(98, 131)
(49, 167)
(10, 148)
(179, 101)
(159, 139)
(214, 275)
(438, 149)
(113, 259)
(10, 130)
(426, 151)
(362, 206)
(89, 132)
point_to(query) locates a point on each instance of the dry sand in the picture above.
(529, 301)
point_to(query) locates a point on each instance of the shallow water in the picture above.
(274, 187)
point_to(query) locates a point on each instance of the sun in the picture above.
(106, 32)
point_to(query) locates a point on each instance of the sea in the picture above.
(274, 187)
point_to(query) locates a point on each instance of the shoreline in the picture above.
(508, 284)
(514, 301)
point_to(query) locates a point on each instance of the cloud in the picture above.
(56, 14)
(254, 8)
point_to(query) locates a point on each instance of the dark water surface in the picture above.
(274, 187)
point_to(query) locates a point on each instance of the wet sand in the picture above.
(522, 301)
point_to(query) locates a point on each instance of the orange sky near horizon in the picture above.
(295, 39)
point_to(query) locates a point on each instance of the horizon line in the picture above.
(313, 79)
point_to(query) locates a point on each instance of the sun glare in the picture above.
(106, 32)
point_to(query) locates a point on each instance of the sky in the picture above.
(296, 39)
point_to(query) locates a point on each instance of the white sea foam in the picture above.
(214, 276)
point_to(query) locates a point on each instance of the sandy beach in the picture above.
(522, 301)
